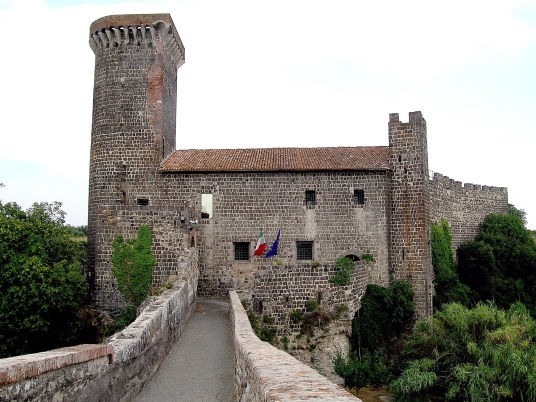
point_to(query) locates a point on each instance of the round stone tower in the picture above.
(134, 123)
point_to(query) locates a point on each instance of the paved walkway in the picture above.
(200, 366)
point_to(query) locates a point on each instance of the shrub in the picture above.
(133, 264)
(500, 264)
(344, 267)
(448, 287)
(296, 316)
(479, 354)
(359, 372)
(312, 305)
(42, 284)
(385, 315)
(367, 257)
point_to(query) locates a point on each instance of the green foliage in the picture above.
(370, 369)
(367, 257)
(133, 264)
(448, 287)
(78, 231)
(128, 316)
(285, 342)
(263, 326)
(479, 354)
(312, 305)
(500, 264)
(315, 264)
(296, 316)
(344, 267)
(42, 284)
(385, 315)
(518, 213)
(340, 309)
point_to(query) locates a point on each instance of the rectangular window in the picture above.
(304, 250)
(359, 197)
(241, 251)
(206, 206)
(142, 201)
(310, 197)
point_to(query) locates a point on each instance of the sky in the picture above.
(283, 73)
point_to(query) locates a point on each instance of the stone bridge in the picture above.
(178, 349)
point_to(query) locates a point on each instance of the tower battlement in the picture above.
(141, 29)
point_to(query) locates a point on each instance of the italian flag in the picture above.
(261, 245)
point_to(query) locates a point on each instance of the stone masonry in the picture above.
(335, 202)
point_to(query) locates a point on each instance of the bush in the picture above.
(42, 284)
(312, 305)
(360, 372)
(479, 354)
(448, 287)
(377, 328)
(133, 264)
(500, 264)
(344, 267)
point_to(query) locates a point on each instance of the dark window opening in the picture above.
(359, 197)
(319, 297)
(310, 197)
(304, 250)
(353, 257)
(142, 201)
(257, 306)
(241, 251)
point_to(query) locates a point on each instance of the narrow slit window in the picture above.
(304, 251)
(241, 251)
(310, 197)
(359, 197)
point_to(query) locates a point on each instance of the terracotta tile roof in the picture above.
(277, 159)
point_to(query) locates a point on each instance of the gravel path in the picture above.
(200, 366)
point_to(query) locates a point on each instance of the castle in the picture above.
(327, 202)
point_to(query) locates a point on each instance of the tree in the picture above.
(42, 283)
(500, 264)
(448, 288)
(133, 264)
(518, 213)
(480, 354)
(385, 315)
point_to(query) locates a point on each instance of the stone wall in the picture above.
(264, 373)
(246, 202)
(464, 206)
(116, 371)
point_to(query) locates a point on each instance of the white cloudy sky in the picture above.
(283, 73)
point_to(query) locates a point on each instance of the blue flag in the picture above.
(273, 249)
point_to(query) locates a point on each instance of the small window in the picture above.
(142, 201)
(310, 197)
(241, 251)
(206, 206)
(304, 250)
(359, 197)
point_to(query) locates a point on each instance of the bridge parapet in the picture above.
(264, 373)
(116, 371)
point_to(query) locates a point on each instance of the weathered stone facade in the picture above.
(374, 200)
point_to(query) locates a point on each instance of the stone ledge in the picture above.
(264, 373)
(18, 368)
